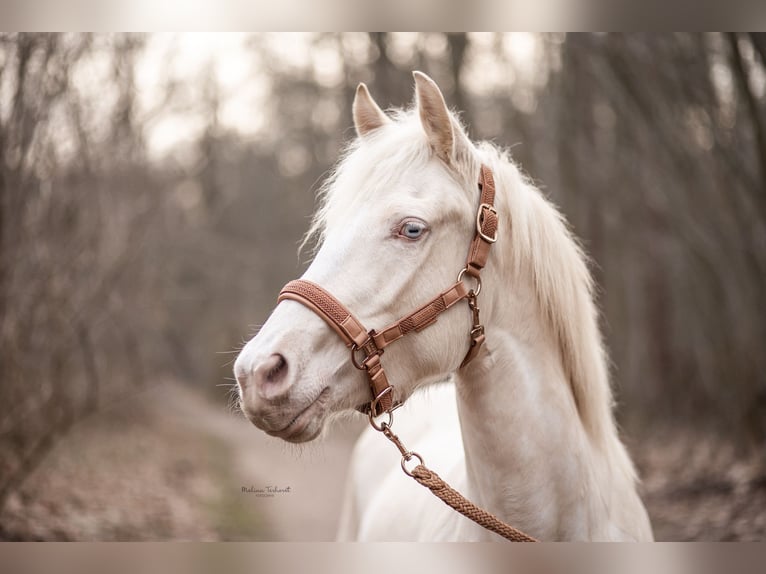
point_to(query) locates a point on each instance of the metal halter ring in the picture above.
(478, 280)
(408, 456)
(385, 424)
(374, 404)
(354, 349)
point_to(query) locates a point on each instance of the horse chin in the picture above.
(305, 434)
(305, 425)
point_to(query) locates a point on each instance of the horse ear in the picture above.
(367, 115)
(434, 116)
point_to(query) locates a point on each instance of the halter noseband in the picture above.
(372, 343)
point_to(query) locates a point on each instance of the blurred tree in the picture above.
(658, 154)
(73, 207)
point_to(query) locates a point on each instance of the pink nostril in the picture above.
(267, 378)
(275, 368)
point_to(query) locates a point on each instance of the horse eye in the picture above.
(412, 229)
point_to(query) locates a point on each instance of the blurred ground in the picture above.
(168, 464)
(699, 487)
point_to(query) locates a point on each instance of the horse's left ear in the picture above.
(435, 117)
(368, 116)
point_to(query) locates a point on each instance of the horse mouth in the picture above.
(295, 428)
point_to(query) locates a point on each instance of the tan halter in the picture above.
(372, 343)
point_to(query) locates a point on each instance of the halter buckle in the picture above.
(480, 217)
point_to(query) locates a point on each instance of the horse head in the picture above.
(397, 215)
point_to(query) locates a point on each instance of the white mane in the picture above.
(542, 245)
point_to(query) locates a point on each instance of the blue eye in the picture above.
(412, 229)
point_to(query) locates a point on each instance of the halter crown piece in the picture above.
(371, 344)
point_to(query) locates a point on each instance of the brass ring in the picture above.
(385, 424)
(478, 280)
(374, 404)
(354, 349)
(408, 456)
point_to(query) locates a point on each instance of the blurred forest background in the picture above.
(154, 188)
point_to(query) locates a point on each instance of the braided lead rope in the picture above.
(458, 502)
(435, 484)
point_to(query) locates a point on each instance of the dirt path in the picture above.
(308, 479)
(169, 464)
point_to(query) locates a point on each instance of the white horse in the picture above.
(526, 430)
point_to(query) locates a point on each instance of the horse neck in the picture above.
(527, 456)
(530, 459)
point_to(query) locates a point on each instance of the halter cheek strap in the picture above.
(372, 343)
